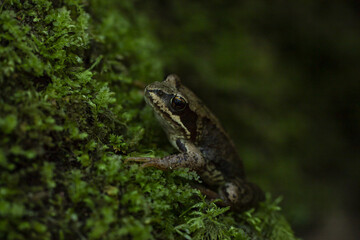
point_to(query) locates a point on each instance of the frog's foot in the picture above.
(149, 162)
(137, 159)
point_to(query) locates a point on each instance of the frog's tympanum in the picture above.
(202, 142)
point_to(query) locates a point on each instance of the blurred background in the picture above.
(283, 78)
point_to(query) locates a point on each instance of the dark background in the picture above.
(283, 77)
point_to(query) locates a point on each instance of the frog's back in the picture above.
(218, 150)
(216, 147)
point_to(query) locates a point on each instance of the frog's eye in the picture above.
(178, 103)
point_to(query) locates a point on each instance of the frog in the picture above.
(202, 143)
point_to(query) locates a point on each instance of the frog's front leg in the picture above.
(192, 160)
(190, 157)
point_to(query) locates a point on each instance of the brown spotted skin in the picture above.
(203, 144)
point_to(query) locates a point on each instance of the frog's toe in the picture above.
(149, 164)
(158, 163)
(137, 159)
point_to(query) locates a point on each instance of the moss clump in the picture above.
(71, 110)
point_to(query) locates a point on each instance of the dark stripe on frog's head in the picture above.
(161, 102)
(161, 98)
(189, 120)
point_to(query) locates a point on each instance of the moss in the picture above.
(71, 110)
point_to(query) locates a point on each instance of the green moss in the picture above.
(71, 110)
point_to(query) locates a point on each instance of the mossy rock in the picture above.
(71, 109)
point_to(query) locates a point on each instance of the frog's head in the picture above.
(175, 106)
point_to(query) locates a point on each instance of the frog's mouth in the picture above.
(152, 98)
(148, 98)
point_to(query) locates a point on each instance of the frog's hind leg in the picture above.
(210, 194)
(241, 195)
